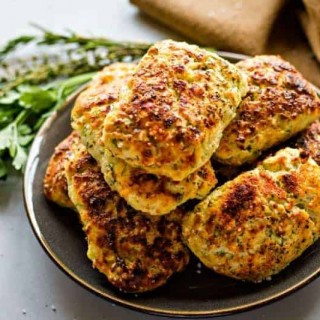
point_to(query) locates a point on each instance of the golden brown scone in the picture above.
(55, 186)
(309, 140)
(136, 252)
(146, 192)
(94, 103)
(171, 114)
(157, 195)
(255, 225)
(279, 104)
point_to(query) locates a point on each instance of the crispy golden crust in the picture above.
(279, 103)
(309, 140)
(93, 104)
(170, 116)
(157, 195)
(55, 186)
(143, 191)
(254, 226)
(136, 252)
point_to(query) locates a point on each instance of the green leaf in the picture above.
(6, 135)
(13, 148)
(10, 97)
(7, 116)
(24, 129)
(37, 99)
(20, 158)
(13, 141)
(25, 140)
(3, 169)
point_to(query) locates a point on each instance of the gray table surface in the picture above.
(31, 286)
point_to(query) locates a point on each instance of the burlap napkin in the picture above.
(247, 26)
(310, 18)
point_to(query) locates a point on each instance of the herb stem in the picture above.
(22, 116)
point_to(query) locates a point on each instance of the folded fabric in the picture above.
(247, 26)
(310, 19)
(234, 25)
(288, 40)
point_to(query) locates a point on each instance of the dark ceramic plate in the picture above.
(192, 293)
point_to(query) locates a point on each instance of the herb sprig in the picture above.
(34, 87)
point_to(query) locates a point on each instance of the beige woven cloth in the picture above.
(289, 28)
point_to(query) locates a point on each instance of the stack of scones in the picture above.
(141, 167)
